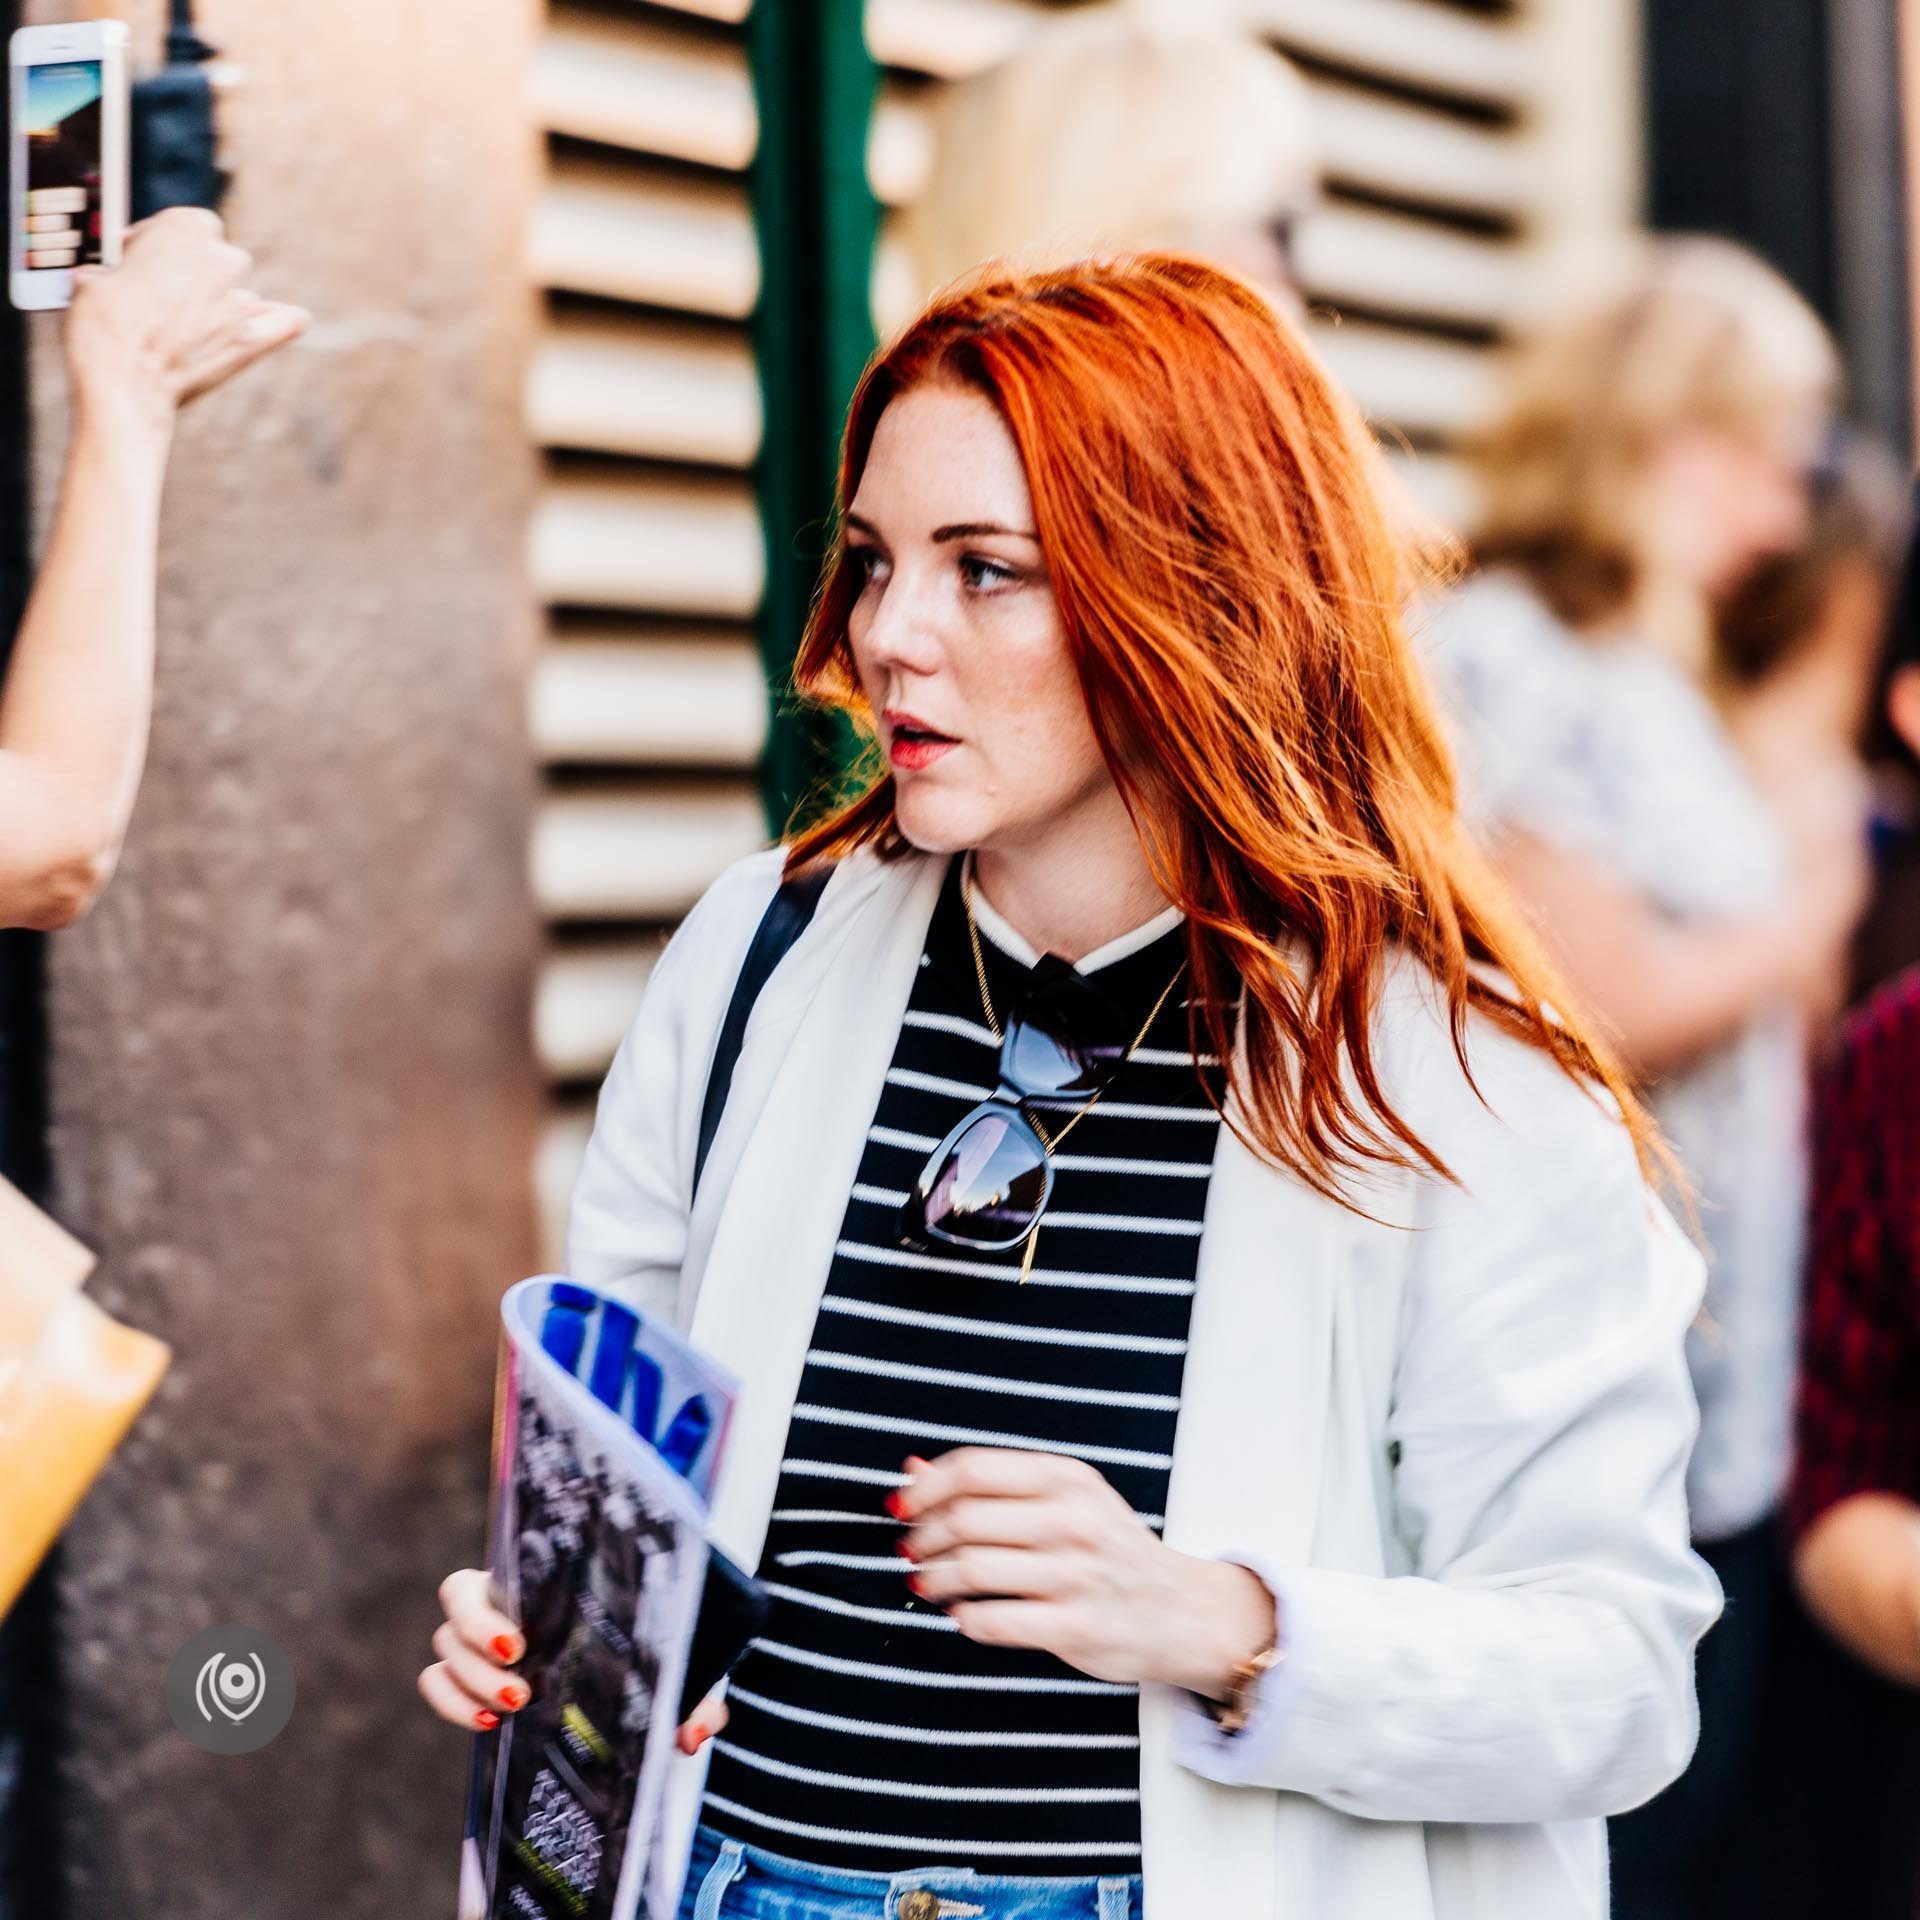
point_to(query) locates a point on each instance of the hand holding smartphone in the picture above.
(176, 320)
(68, 177)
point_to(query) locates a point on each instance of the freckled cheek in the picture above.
(1053, 708)
(1032, 731)
(1028, 678)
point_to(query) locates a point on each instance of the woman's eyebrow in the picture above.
(973, 529)
(959, 530)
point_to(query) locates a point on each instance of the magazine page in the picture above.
(608, 1431)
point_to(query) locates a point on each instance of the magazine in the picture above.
(608, 1432)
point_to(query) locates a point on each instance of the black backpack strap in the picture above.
(784, 921)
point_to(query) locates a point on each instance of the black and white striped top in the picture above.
(867, 1732)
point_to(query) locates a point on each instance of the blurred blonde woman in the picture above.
(1108, 132)
(1657, 448)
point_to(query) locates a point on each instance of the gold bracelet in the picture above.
(1243, 1684)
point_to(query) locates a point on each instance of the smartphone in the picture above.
(68, 177)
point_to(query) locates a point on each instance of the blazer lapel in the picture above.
(786, 1157)
(1253, 1397)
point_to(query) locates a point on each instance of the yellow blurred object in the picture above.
(72, 1379)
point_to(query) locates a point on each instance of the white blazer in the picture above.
(1453, 1434)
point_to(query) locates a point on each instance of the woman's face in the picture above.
(1724, 502)
(957, 637)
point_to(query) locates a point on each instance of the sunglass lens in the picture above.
(1065, 1041)
(989, 1186)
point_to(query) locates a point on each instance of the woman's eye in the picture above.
(984, 575)
(866, 563)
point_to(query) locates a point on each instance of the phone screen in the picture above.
(62, 122)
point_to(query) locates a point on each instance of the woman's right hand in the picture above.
(473, 1681)
(173, 321)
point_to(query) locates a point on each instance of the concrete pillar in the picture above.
(294, 1094)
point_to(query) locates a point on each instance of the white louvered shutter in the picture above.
(649, 709)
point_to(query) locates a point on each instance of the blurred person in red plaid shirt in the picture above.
(1856, 1498)
(1826, 1822)
(1855, 1502)
(1853, 1511)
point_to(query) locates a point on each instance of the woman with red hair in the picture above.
(1214, 1414)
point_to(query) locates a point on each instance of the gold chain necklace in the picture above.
(1048, 1143)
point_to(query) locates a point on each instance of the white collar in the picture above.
(1010, 940)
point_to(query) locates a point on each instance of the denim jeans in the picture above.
(727, 1880)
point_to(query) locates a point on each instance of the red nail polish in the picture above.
(503, 1648)
(903, 1550)
(893, 1504)
(486, 1721)
(512, 1697)
(915, 1583)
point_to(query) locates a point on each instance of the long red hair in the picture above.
(1209, 506)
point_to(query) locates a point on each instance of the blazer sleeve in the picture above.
(1537, 1663)
(627, 1229)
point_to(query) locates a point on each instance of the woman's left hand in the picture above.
(1038, 1550)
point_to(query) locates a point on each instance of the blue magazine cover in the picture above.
(608, 1432)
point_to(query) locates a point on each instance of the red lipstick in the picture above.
(911, 742)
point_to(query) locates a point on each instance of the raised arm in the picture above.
(170, 323)
(1668, 990)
